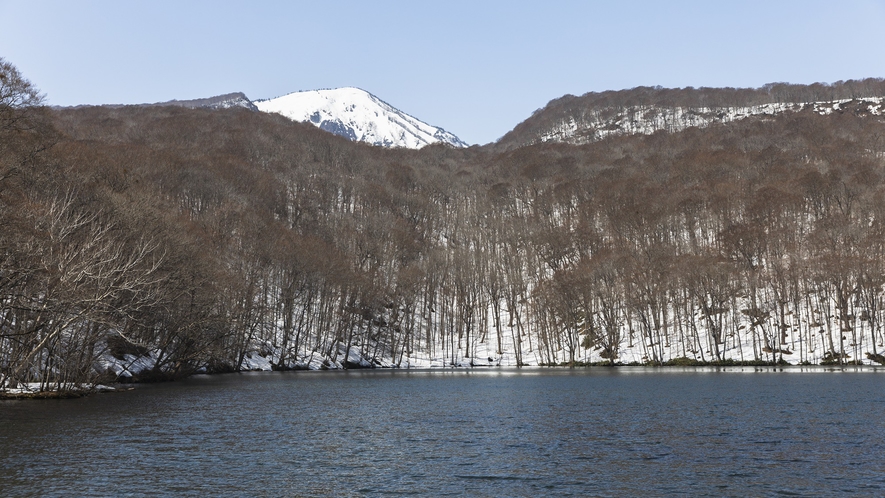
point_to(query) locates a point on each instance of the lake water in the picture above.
(529, 432)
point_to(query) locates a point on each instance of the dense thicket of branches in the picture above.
(203, 236)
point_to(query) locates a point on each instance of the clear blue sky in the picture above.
(476, 68)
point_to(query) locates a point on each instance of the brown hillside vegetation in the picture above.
(205, 236)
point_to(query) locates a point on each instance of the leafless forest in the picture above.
(203, 236)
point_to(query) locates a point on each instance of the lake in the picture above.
(498, 432)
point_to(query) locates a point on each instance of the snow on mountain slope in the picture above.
(597, 124)
(358, 115)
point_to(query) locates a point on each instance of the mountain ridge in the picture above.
(226, 101)
(350, 112)
(359, 115)
(597, 115)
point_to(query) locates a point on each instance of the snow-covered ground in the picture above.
(481, 350)
(358, 115)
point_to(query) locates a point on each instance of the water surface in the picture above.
(498, 432)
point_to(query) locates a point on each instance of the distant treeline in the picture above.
(205, 235)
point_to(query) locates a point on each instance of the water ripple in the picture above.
(557, 432)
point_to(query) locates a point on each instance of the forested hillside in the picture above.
(598, 115)
(180, 240)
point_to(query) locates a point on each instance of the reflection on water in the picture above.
(529, 432)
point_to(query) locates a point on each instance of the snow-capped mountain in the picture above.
(358, 115)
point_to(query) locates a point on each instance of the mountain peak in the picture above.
(358, 115)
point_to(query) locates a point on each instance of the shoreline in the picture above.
(123, 386)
